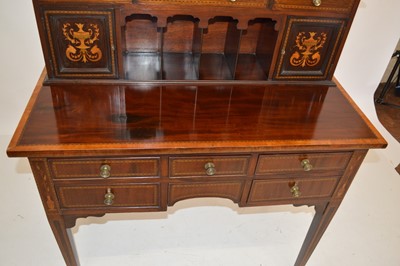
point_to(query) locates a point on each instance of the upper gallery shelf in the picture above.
(244, 40)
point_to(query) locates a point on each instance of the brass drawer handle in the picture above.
(294, 189)
(109, 197)
(317, 2)
(307, 166)
(105, 171)
(233, 1)
(210, 169)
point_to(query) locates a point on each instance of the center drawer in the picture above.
(105, 168)
(208, 166)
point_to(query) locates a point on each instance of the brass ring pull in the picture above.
(233, 1)
(210, 169)
(105, 171)
(294, 189)
(109, 197)
(307, 166)
(317, 2)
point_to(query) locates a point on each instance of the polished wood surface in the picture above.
(127, 167)
(147, 116)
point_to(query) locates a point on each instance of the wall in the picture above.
(21, 60)
(369, 47)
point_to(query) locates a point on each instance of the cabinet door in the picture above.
(81, 43)
(309, 49)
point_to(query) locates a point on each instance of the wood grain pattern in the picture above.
(292, 162)
(266, 190)
(194, 166)
(126, 195)
(75, 117)
(90, 168)
(230, 190)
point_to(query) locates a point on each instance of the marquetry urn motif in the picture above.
(307, 45)
(82, 45)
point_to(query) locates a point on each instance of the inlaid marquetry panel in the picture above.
(81, 43)
(309, 49)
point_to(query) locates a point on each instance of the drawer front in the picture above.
(342, 6)
(137, 167)
(81, 43)
(137, 195)
(231, 190)
(272, 164)
(208, 166)
(309, 49)
(265, 190)
(231, 3)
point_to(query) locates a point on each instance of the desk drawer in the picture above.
(181, 167)
(105, 168)
(231, 3)
(342, 6)
(130, 195)
(266, 190)
(290, 163)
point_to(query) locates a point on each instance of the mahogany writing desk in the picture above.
(97, 149)
(149, 102)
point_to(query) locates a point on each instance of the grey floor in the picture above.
(212, 232)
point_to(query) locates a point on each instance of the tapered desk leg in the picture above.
(56, 220)
(323, 215)
(64, 240)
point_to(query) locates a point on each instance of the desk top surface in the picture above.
(116, 120)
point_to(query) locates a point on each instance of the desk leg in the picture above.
(50, 203)
(64, 240)
(325, 212)
(323, 215)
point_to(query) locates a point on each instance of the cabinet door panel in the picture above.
(309, 49)
(82, 43)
